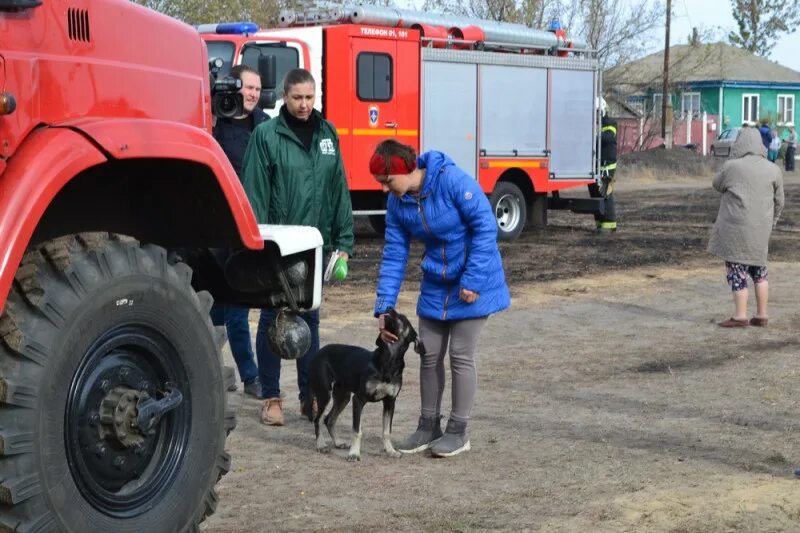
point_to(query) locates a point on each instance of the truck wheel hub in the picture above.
(118, 417)
(119, 468)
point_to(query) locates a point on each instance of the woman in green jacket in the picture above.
(293, 174)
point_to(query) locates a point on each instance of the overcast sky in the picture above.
(712, 14)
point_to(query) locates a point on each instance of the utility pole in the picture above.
(666, 99)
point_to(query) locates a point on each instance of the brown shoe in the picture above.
(759, 322)
(272, 412)
(733, 323)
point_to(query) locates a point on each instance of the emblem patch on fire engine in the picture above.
(326, 147)
(373, 115)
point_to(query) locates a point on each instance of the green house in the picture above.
(731, 85)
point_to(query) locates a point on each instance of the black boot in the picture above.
(428, 431)
(453, 442)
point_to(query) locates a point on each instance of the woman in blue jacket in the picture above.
(462, 282)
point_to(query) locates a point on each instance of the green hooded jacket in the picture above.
(288, 185)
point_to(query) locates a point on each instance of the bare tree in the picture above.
(704, 34)
(761, 22)
(452, 7)
(500, 10)
(263, 12)
(618, 29)
(536, 13)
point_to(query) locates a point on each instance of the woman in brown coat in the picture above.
(752, 200)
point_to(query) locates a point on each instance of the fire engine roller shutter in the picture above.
(572, 96)
(571, 123)
(513, 111)
(449, 113)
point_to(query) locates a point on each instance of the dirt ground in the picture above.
(608, 398)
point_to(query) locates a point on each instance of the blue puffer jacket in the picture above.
(452, 217)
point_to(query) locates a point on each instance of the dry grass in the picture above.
(677, 165)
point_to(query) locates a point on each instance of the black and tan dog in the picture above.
(340, 371)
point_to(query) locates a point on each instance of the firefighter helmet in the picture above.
(601, 105)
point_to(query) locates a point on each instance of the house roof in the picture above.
(619, 109)
(713, 62)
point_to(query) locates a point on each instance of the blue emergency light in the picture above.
(229, 28)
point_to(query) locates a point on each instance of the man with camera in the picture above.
(233, 134)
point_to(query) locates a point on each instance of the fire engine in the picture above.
(513, 106)
(113, 405)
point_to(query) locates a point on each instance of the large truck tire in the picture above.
(510, 210)
(93, 325)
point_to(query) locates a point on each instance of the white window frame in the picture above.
(693, 112)
(657, 109)
(788, 109)
(746, 108)
(637, 106)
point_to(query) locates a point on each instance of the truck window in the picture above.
(374, 72)
(224, 50)
(286, 58)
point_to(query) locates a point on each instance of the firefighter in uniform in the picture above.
(606, 222)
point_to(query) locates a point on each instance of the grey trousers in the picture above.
(462, 337)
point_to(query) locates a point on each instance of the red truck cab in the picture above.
(121, 221)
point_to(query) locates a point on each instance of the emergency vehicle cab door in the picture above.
(387, 90)
(374, 110)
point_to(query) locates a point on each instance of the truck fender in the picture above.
(147, 138)
(42, 165)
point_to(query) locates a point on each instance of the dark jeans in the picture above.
(789, 158)
(236, 324)
(269, 364)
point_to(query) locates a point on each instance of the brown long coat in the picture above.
(752, 200)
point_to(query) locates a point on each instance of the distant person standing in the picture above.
(752, 200)
(791, 144)
(766, 133)
(774, 146)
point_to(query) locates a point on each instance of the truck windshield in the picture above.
(223, 50)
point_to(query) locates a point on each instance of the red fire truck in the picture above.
(514, 107)
(113, 409)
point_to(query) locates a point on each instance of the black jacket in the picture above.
(233, 136)
(608, 142)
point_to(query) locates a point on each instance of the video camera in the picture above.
(226, 100)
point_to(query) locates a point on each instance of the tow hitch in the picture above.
(151, 411)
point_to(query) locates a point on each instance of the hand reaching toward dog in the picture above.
(468, 295)
(386, 335)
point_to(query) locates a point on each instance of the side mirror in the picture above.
(267, 67)
(268, 99)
